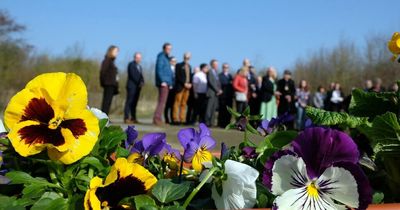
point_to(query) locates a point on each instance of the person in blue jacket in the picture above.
(164, 81)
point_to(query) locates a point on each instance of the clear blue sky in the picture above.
(268, 32)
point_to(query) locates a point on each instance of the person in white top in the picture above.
(200, 90)
(337, 98)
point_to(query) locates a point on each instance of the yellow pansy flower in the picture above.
(51, 113)
(124, 180)
(394, 45)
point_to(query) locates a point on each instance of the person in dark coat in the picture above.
(134, 85)
(213, 91)
(226, 98)
(171, 95)
(287, 90)
(109, 78)
(164, 81)
(183, 85)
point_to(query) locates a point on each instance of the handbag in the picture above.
(241, 97)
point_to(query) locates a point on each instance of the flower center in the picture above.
(55, 122)
(312, 190)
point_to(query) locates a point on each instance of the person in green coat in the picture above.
(268, 93)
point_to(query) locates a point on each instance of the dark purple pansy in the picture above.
(329, 159)
(267, 126)
(249, 152)
(321, 148)
(3, 179)
(224, 150)
(241, 123)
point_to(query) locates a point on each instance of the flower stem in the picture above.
(197, 189)
(181, 167)
(53, 177)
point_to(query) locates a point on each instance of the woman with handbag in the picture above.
(240, 85)
(109, 78)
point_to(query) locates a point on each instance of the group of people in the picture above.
(188, 95)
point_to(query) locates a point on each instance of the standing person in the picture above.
(168, 110)
(226, 98)
(319, 98)
(213, 91)
(287, 90)
(240, 85)
(368, 85)
(328, 103)
(269, 107)
(302, 97)
(163, 81)
(200, 91)
(377, 86)
(183, 85)
(337, 98)
(191, 100)
(109, 78)
(134, 85)
(254, 102)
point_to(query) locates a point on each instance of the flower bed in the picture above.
(57, 153)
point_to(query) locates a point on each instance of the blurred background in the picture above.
(321, 41)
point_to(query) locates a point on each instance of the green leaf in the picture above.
(277, 140)
(10, 203)
(370, 104)
(165, 191)
(122, 152)
(230, 126)
(33, 191)
(234, 113)
(93, 161)
(246, 112)
(175, 207)
(322, 117)
(384, 133)
(19, 177)
(251, 129)
(143, 201)
(50, 201)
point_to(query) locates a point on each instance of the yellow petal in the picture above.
(135, 158)
(81, 146)
(20, 145)
(199, 158)
(91, 201)
(65, 89)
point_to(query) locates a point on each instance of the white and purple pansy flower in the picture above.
(197, 145)
(320, 171)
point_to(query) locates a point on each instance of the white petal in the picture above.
(99, 114)
(299, 199)
(239, 190)
(2, 128)
(341, 186)
(288, 172)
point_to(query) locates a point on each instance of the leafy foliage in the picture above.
(341, 119)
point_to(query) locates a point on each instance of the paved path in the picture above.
(230, 137)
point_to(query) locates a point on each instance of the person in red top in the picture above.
(240, 85)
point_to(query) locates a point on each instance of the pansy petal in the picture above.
(321, 147)
(189, 152)
(153, 143)
(288, 172)
(267, 176)
(83, 144)
(363, 186)
(26, 147)
(69, 88)
(207, 142)
(91, 201)
(298, 199)
(132, 134)
(186, 136)
(204, 130)
(2, 128)
(340, 185)
(199, 158)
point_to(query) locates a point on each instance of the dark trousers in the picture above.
(241, 106)
(108, 94)
(190, 108)
(168, 110)
(199, 108)
(132, 98)
(162, 99)
(224, 117)
(212, 105)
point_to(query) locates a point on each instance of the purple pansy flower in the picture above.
(197, 145)
(150, 145)
(267, 126)
(3, 179)
(132, 135)
(169, 151)
(320, 172)
(249, 152)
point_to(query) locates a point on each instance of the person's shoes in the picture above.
(128, 121)
(158, 123)
(135, 121)
(175, 123)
